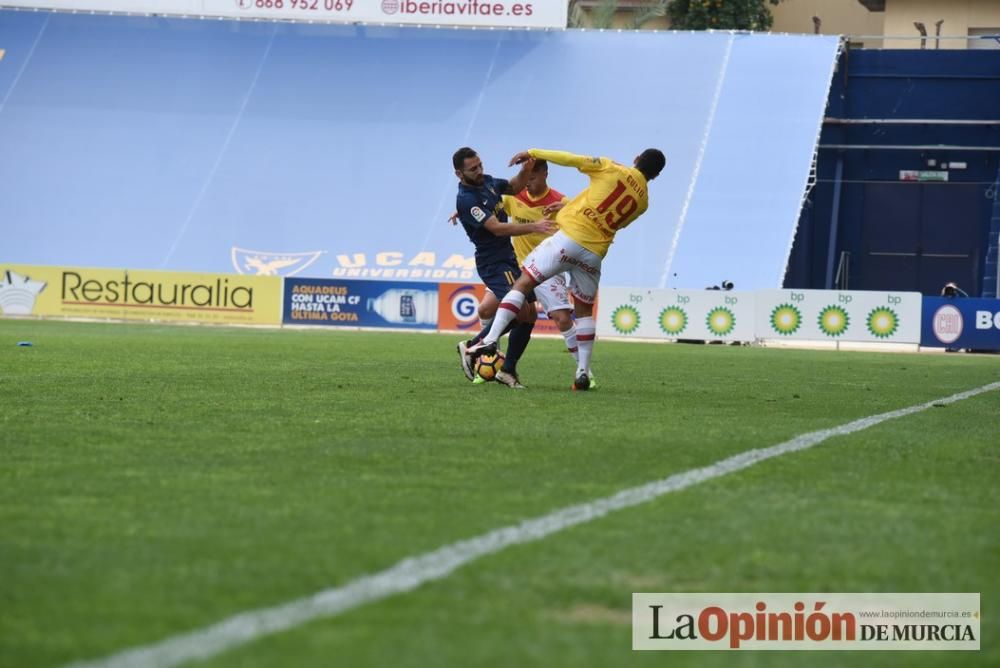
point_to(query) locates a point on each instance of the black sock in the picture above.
(520, 336)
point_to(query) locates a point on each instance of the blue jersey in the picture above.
(475, 206)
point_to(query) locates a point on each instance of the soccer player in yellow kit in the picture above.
(616, 196)
(536, 202)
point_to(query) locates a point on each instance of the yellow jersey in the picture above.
(616, 196)
(522, 208)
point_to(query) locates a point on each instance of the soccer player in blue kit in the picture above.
(480, 210)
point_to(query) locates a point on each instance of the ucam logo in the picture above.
(424, 265)
(265, 263)
(18, 293)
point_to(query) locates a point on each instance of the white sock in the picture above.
(483, 322)
(570, 336)
(585, 343)
(509, 308)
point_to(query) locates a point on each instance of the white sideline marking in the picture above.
(412, 572)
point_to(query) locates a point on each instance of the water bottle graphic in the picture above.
(403, 306)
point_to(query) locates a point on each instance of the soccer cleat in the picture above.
(478, 380)
(509, 379)
(467, 361)
(593, 381)
(582, 381)
(480, 349)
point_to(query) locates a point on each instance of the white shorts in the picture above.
(553, 294)
(559, 254)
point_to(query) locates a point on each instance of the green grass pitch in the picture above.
(154, 480)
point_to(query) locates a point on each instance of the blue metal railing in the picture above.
(991, 277)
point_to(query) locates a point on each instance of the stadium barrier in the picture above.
(380, 304)
(794, 315)
(130, 294)
(458, 309)
(625, 313)
(676, 314)
(958, 323)
(388, 304)
(843, 316)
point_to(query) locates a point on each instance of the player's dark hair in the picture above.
(540, 166)
(458, 160)
(650, 162)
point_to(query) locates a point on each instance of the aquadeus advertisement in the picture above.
(126, 294)
(389, 304)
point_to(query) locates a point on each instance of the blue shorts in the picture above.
(499, 276)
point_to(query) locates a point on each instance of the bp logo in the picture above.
(720, 321)
(883, 322)
(673, 320)
(834, 321)
(625, 319)
(786, 319)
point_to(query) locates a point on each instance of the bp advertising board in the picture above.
(318, 301)
(829, 315)
(711, 315)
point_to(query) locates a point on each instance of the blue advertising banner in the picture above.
(317, 301)
(950, 322)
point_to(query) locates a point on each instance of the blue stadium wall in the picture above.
(906, 235)
(325, 150)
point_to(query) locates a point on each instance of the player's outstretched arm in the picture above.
(519, 158)
(520, 180)
(499, 229)
(566, 159)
